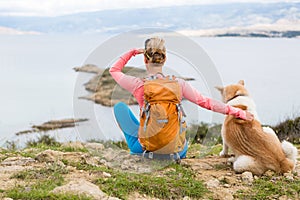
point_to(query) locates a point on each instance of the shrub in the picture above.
(289, 130)
(204, 133)
(44, 139)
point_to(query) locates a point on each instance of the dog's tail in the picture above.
(290, 151)
(287, 165)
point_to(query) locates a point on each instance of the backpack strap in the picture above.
(151, 155)
(180, 114)
(146, 112)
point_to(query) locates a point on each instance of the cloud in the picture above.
(63, 7)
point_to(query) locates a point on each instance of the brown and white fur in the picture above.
(256, 148)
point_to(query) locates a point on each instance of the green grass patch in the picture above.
(200, 151)
(41, 191)
(39, 184)
(175, 184)
(53, 171)
(45, 142)
(112, 144)
(271, 188)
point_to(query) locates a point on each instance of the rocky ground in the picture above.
(84, 169)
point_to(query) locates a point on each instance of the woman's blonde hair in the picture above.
(155, 50)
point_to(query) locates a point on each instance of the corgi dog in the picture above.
(256, 148)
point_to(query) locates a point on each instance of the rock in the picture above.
(97, 147)
(56, 156)
(11, 169)
(89, 68)
(284, 197)
(19, 161)
(186, 198)
(213, 183)
(247, 177)
(230, 180)
(49, 156)
(93, 161)
(73, 145)
(222, 194)
(53, 124)
(7, 198)
(110, 154)
(289, 176)
(202, 166)
(105, 174)
(113, 198)
(269, 173)
(81, 187)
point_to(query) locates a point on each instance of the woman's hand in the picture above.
(140, 51)
(249, 116)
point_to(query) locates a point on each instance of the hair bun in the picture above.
(155, 50)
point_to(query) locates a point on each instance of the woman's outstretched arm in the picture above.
(193, 95)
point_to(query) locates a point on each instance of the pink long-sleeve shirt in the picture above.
(135, 86)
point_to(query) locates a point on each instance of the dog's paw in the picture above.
(223, 153)
(231, 159)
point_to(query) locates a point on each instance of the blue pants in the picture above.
(130, 127)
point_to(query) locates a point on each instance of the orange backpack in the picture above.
(162, 128)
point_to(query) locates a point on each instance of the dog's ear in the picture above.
(241, 82)
(221, 89)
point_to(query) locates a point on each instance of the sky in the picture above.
(63, 7)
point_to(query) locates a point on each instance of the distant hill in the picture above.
(189, 19)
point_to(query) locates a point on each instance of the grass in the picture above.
(46, 180)
(200, 151)
(40, 182)
(272, 188)
(175, 184)
(46, 142)
(112, 144)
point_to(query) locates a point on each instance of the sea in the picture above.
(38, 83)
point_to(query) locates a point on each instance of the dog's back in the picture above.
(248, 138)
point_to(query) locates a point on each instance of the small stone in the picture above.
(201, 166)
(269, 173)
(256, 177)
(93, 161)
(186, 198)
(79, 187)
(284, 197)
(213, 183)
(49, 156)
(113, 198)
(229, 174)
(221, 178)
(229, 180)
(226, 185)
(247, 177)
(288, 176)
(19, 161)
(71, 168)
(7, 198)
(222, 194)
(105, 174)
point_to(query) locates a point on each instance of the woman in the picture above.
(154, 58)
